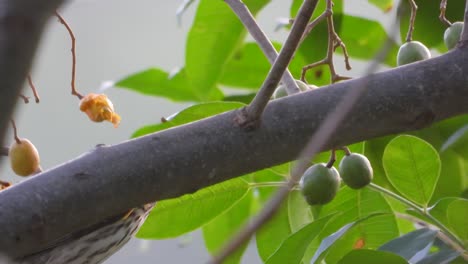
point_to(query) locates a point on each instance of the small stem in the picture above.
(443, 8)
(418, 209)
(249, 116)
(346, 150)
(73, 51)
(33, 88)
(25, 98)
(332, 159)
(246, 17)
(414, 8)
(15, 132)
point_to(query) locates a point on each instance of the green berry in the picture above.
(320, 184)
(411, 52)
(356, 171)
(281, 89)
(452, 35)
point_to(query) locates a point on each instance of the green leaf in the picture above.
(457, 140)
(452, 176)
(364, 38)
(157, 82)
(353, 205)
(333, 238)
(241, 98)
(250, 63)
(220, 230)
(174, 217)
(439, 210)
(413, 167)
(428, 28)
(443, 256)
(457, 217)
(215, 34)
(367, 256)
(410, 244)
(189, 114)
(292, 249)
(384, 5)
(373, 150)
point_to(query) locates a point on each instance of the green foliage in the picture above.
(425, 172)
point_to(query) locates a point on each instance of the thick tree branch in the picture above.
(109, 180)
(21, 24)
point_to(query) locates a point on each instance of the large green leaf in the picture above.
(174, 217)
(215, 34)
(452, 176)
(439, 210)
(384, 5)
(457, 217)
(367, 256)
(249, 67)
(330, 241)
(428, 28)
(217, 232)
(364, 38)
(410, 244)
(353, 205)
(413, 167)
(189, 114)
(157, 82)
(292, 249)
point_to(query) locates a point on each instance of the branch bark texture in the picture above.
(110, 179)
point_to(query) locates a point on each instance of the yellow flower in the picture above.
(99, 108)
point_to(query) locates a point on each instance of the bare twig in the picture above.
(15, 132)
(25, 98)
(242, 11)
(315, 144)
(250, 116)
(33, 88)
(414, 8)
(443, 8)
(334, 41)
(73, 51)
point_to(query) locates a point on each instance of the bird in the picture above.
(94, 244)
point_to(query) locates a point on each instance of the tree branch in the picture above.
(110, 179)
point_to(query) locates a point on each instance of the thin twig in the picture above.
(73, 51)
(33, 88)
(25, 98)
(315, 144)
(414, 8)
(246, 17)
(334, 41)
(15, 132)
(443, 8)
(249, 116)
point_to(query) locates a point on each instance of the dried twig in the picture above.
(33, 88)
(73, 51)
(15, 132)
(414, 9)
(443, 8)
(249, 116)
(334, 41)
(242, 11)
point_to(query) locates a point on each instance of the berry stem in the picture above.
(422, 211)
(33, 88)
(332, 159)
(15, 132)
(414, 8)
(443, 8)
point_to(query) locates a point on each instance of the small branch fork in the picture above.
(249, 116)
(242, 11)
(73, 51)
(334, 41)
(443, 8)
(414, 9)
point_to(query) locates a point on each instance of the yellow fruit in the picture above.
(411, 52)
(24, 158)
(99, 108)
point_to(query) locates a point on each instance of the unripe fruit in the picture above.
(452, 35)
(319, 184)
(24, 158)
(356, 170)
(281, 89)
(411, 52)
